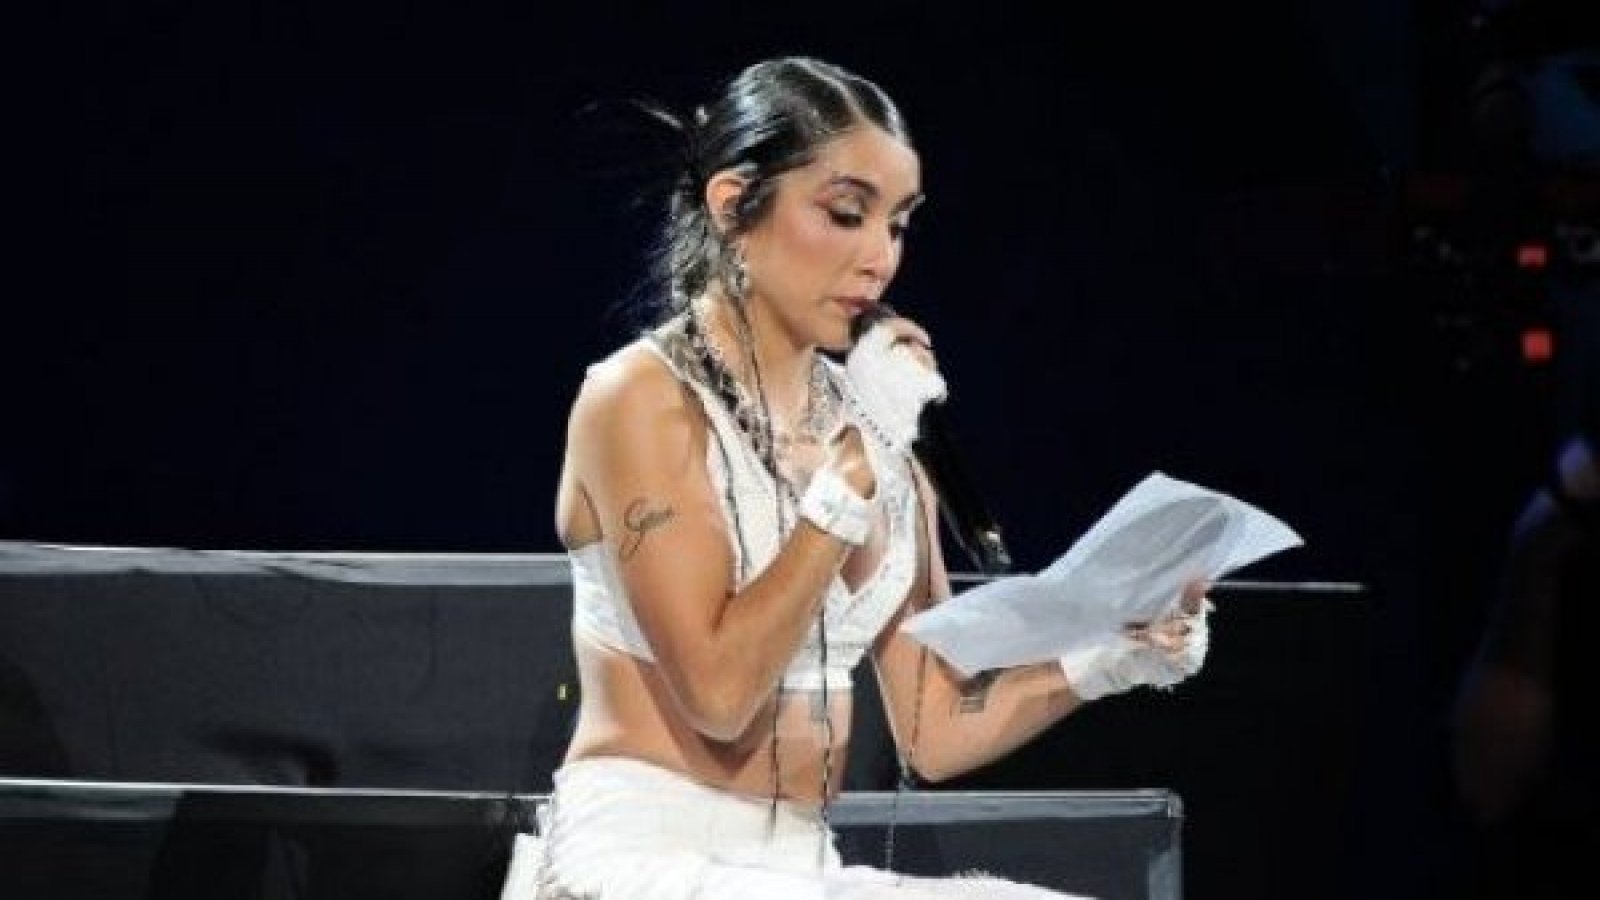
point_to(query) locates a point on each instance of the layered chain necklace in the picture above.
(776, 448)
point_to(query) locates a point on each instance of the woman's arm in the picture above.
(945, 725)
(638, 441)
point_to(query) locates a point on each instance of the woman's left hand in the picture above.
(1179, 638)
(1171, 632)
(1158, 654)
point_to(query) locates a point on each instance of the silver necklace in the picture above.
(751, 416)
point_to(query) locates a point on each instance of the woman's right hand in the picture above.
(893, 374)
(847, 457)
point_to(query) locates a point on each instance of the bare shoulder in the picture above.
(637, 447)
(632, 400)
(632, 384)
(632, 379)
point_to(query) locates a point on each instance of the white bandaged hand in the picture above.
(1171, 649)
(891, 386)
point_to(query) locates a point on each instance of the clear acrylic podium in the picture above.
(79, 840)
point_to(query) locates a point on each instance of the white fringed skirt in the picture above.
(622, 829)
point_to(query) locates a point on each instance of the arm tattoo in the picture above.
(975, 691)
(640, 519)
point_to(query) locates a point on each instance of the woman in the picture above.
(745, 522)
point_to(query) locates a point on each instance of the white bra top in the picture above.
(600, 609)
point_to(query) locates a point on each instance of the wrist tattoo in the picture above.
(975, 691)
(640, 519)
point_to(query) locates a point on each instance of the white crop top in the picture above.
(600, 610)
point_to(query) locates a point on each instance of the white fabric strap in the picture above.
(831, 505)
(891, 386)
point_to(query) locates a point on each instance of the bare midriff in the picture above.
(628, 710)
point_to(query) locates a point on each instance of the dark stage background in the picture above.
(325, 277)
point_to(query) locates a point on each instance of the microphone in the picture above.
(966, 515)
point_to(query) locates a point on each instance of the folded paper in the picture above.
(1131, 566)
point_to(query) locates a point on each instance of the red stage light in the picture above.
(1533, 256)
(1538, 346)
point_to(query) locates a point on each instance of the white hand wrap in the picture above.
(1121, 663)
(891, 386)
(831, 505)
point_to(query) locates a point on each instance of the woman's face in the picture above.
(832, 239)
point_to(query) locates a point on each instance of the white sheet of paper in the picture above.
(1131, 566)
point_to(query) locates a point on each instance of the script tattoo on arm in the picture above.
(640, 518)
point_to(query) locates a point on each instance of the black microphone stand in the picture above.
(969, 521)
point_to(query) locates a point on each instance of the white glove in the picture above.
(891, 386)
(1170, 650)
